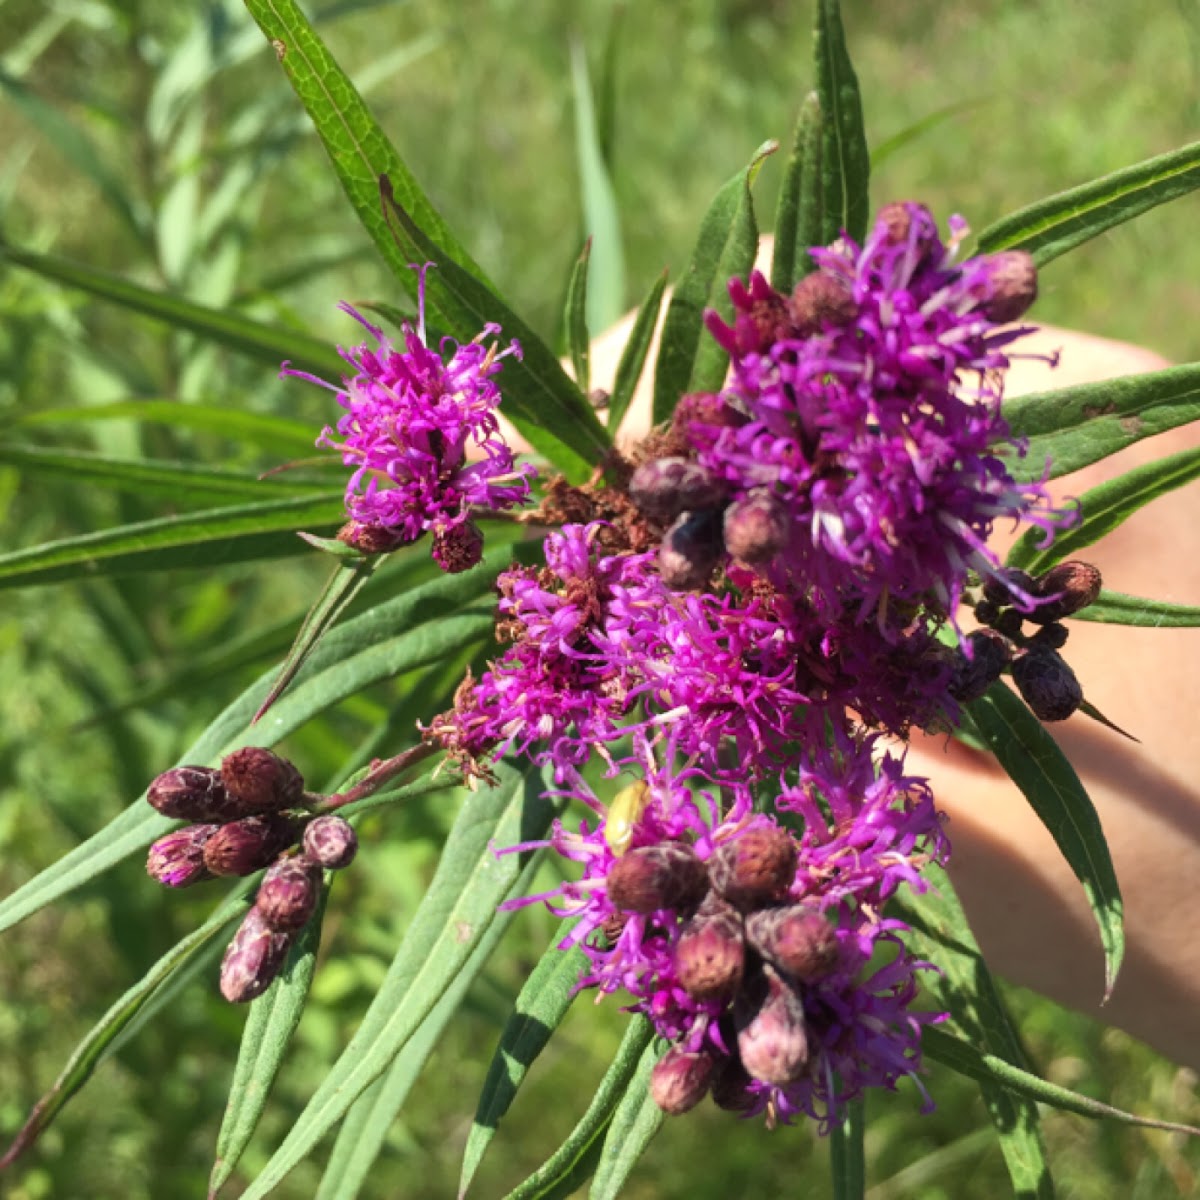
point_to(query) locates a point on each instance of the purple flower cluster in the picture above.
(412, 416)
(817, 523)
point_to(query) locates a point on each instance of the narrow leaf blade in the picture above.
(634, 1123)
(633, 357)
(576, 322)
(1117, 608)
(798, 225)
(847, 1162)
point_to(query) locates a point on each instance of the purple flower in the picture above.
(412, 415)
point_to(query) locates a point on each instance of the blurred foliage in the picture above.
(161, 143)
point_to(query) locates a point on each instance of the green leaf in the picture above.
(1116, 608)
(967, 1059)
(280, 435)
(362, 1134)
(1040, 769)
(688, 360)
(1075, 427)
(636, 1120)
(265, 343)
(96, 1046)
(633, 357)
(847, 1163)
(454, 916)
(577, 318)
(845, 160)
(208, 538)
(413, 629)
(964, 986)
(540, 398)
(539, 1010)
(265, 1039)
(798, 225)
(181, 483)
(884, 150)
(575, 1159)
(601, 217)
(1104, 508)
(1061, 222)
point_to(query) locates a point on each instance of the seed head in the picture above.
(459, 548)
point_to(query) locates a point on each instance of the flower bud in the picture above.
(1000, 588)
(668, 875)
(1068, 587)
(331, 841)
(797, 939)
(755, 868)
(906, 221)
(1009, 623)
(664, 487)
(177, 859)
(1012, 285)
(771, 1035)
(372, 539)
(255, 956)
(690, 550)
(245, 846)
(288, 894)
(820, 300)
(680, 1079)
(1048, 685)
(459, 548)
(757, 526)
(978, 665)
(1050, 637)
(710, 954)
(260, 781)
(192, 794)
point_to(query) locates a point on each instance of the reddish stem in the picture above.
(382, 771)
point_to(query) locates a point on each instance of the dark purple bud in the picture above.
(192, 794)
(1012, 285)
(710, 954)
(731, 1086)
(796, 939)
(1067, 588)
(459, 548)
(978, 665)
(260, 781)
(288, 894)
(1000, 589)
(1009, 623)
(245, 846)
(331, 841)
(680, 1080)
(690, 550)
(986, 612)
(649, 878)
(664, 487)
(755, 868)
(1047, 683)
(1050, 637)
(255, 956)
(820, 300)
(177, 859)
(772, 1037)
(372, 539)
(757, 526)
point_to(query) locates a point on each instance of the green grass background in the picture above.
(235, 206)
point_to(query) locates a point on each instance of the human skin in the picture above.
(1025, 905)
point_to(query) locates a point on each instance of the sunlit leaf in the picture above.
(576, 321)
(632, 1128)
(1116, 608)
(847, 1165)
(798, 225)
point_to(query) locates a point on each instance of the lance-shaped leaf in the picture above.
(1104, 508)
(416, 628)
(798, 218)
(206, 538)
(96, 1046)
(1040, 769)
(1075, 427)
(847, 1162)
(265, 343)
(266, 1036)
(576, 1158)
(636, 1120)
(964, 986)
(539, 1010)
(540, 398)
(845, 159)
(576, 320)
(688, 360)
(1116, 608)
(633, 357)
(179, 483)
(455, 914)
(1061, 222)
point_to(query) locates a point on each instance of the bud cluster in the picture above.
(239, 823)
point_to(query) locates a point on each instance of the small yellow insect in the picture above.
(623, 814)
